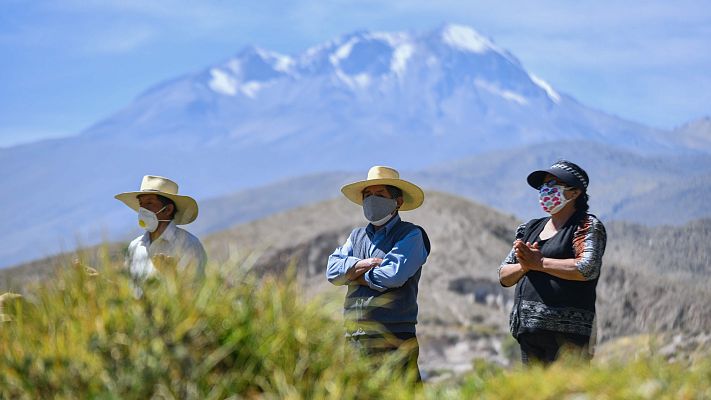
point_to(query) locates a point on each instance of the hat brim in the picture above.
(535, 178)
(186, 207)
(412, 195)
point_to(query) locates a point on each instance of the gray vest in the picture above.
(395, 310)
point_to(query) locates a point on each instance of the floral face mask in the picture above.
(551, 197)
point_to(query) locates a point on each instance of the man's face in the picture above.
(152, 203)
(381, 191)
(377, 190)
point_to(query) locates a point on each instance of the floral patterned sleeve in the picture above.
(511, 257)
(589, 245)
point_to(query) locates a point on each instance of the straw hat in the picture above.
(186, 207)
(412, 195)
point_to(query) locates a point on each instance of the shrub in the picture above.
(83, 336)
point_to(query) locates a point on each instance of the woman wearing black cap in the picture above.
(555, 263)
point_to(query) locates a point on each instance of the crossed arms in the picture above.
(381, 274)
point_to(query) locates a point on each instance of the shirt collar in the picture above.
(388, 225)
(168, 234)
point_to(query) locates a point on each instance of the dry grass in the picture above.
(234, 336)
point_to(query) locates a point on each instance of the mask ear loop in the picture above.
(160, 211)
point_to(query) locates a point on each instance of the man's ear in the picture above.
(171, 210)
(399, 200)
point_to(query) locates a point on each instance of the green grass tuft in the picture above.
(82, 336)
(234, 335)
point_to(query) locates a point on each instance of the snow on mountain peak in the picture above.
(249, 72)
(392, 38)
(362, 59)
(467, 39)
(505, 94)
(342, 52)
(552, 94)
(224, 83)
(283, 63)
(401, 55)
(277, 61)
(221, 82)
(393, 49)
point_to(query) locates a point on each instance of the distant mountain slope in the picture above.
(624, 185)
(675, 252)
(225, 211)
(695, 134)
(409, 99)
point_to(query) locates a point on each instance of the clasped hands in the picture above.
(529, 255)
(164, 263)
(356, 272)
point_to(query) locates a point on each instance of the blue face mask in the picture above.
(377, 209)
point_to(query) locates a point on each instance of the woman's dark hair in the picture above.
(581, 203)
(165, 201)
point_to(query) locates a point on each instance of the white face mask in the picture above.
(148, 220)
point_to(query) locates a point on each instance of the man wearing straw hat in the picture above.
(381, 265)
(160, 209)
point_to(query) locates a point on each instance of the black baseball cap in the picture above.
(568, 172)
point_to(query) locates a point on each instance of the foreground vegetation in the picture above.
(82, 335)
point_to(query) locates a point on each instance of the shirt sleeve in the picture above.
(340, 262)
(511, 257)
(401, 263)
(201, 260)
(128, 255)
(130, 261)
(589, 243)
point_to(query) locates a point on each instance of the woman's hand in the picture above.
(529, 255)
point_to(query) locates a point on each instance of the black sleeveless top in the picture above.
(544, 302)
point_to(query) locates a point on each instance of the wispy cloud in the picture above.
(13, 136)
(119, 39)
(114, 26)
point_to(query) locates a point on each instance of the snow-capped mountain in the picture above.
(450, 90)
(404, 99)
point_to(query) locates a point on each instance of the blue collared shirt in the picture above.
(401, 263)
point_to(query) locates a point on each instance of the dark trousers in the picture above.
(376, 345)
(544, 347)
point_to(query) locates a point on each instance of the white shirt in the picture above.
(175, 242)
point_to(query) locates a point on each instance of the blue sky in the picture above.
(69, 63)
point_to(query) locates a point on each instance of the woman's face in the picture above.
(570, 193)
